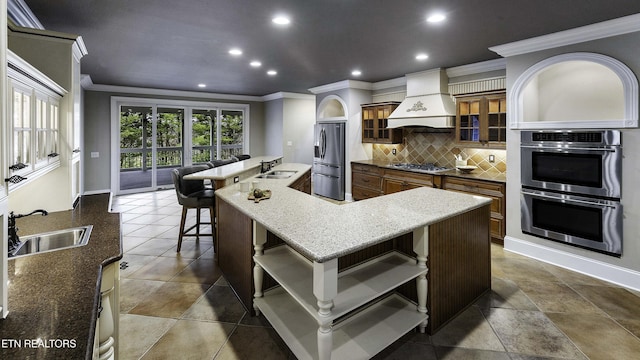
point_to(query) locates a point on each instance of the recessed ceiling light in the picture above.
(281, 20)
(255, 63)
(272, 73)
(235, 52)
(422, 56)
(202, 85)
(436, 18)
(356, 73)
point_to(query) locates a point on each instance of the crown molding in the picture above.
(340, 85)
(18, 68)
(162, 92)
(391, 83)
(619, 26)
(287, 95)
(477, 68)
(20, 14)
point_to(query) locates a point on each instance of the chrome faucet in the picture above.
(14, 240)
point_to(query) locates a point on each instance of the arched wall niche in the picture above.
(575, 90)
(332, 108)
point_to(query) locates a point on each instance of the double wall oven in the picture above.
(571, 187)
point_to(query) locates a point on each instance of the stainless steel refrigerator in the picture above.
(329, 160)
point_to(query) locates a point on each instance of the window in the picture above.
(153, 136)
(34, 124)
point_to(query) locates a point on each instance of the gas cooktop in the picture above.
(428, 168)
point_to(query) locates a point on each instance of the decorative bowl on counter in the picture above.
(466, 169)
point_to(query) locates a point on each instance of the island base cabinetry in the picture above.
(358, 304)
(354, 314)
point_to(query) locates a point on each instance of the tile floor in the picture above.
(178, 306)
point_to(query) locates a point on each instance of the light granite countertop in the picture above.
(322, 230)
(232, 169)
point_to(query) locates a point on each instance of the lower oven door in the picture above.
(590, 223)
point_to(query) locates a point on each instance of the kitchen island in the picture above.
(343, 281)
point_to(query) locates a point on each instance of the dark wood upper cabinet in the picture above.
(375, 118)
(481, 120)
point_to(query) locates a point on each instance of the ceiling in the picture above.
(169, 44)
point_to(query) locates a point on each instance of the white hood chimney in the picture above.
(428, 102)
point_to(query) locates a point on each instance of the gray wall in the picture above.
(273, 133)
(624, 48)
(97, 134)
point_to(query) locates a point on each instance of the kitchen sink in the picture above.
(54, 240)
(277, 174)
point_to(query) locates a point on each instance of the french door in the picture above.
(149, 149)
(153, 139)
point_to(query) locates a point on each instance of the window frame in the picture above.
(27, 80)
(118, 101)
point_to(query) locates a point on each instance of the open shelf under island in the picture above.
(351, 279)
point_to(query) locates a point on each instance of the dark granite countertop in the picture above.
(54, 296)
(477, 174)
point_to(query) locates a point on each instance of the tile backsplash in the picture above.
(421, 147)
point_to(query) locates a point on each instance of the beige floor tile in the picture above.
(598, 337)
(407, 351)
(530, 333)
(190, 249)
(506, 294)
(130, 242)
(133, 291)
(151, 230)
(131, 263)
(201, 271)
(248, 342)
(619, 303)
(170, 300)
(557, 297)
(189, 339)
(520, 269)
(632, 325)
(572, 277)
(139, 333)
(154, 247)
(218, 304)
(127, 229)
(161, 268)
(145, 219)
(468, 330)
(456, 353)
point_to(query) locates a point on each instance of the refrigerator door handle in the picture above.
(329, 176)
(324, 142)
(328, 165)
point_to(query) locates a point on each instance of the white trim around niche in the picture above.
(322, 105)
(591, 267)
(628, 79)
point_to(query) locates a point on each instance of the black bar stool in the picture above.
(192, 194)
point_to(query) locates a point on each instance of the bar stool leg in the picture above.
(182, 221)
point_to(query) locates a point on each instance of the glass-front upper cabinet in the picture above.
(481, 120)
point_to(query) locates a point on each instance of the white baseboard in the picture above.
(595, 268)
(94, 192)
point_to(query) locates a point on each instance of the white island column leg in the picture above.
(325, 289)
(259, 239)
(421, 248)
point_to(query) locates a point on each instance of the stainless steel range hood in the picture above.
(428, 102)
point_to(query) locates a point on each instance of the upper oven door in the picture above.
(579, 169)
